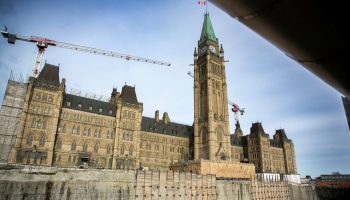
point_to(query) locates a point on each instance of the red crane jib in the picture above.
(43, 40)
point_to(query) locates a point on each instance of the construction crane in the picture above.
(43, 43)
(235, 108)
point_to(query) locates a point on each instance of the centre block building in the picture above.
(57, 128)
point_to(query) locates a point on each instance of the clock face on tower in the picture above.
(212, 49)
(203, 50)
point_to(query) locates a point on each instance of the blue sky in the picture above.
(274, 89)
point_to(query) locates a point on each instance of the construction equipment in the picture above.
(43, 43)
(235, 107)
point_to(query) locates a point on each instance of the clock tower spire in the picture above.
(211, 119)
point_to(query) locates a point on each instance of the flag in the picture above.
(202, 2)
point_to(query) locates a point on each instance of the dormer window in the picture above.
(68, 103)
(79, 105)
(100, 110)
(90, 108)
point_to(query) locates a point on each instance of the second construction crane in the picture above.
(43, 43)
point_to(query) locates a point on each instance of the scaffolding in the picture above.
(10, 113)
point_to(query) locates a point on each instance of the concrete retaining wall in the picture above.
(52, 183)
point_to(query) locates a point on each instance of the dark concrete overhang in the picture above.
(313, 33)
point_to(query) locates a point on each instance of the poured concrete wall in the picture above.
(75, 185)
(10, 112)
(28, 182)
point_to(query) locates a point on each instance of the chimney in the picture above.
(156, 115)
(166, 118)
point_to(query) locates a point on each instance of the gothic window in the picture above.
(219, 133)
(78, 130)
(38, 96)
(34, 123)
(131, 137)
(64, 128)
(39, 124)
(85, 147)
(50, 98)
(96, 148)
(44, 97)
(74, 129)
(85, 132)
(122, 149)
(29, 139)
(108, 149)
(58, 144)
(46, 111)
(99, 133)
(124, 136)
(42, 140)
(95, 133)
(34, 109)
(131, 150)
(204, 135)
(73, 146)
(44, 124)
(108, 135)
(89, 132)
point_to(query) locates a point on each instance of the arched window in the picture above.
(34, 123)
(29, 140)
(44, 124)
(108, 135)
(204, 135)
(42, 140)
(78, 130)
(96, 148)
(109, 149)
(95, 133)
(131, 150)
(85, 147)
(64, 128)
(219, 133)
(122, 149)
(73, 146)
(58, 144)
(85, 132)
(39, 124)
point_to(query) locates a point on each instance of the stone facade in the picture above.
(56, 128)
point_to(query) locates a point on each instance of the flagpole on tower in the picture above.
(206, 6)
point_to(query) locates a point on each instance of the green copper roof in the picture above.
(207, 29)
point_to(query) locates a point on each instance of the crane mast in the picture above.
(43, 43)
